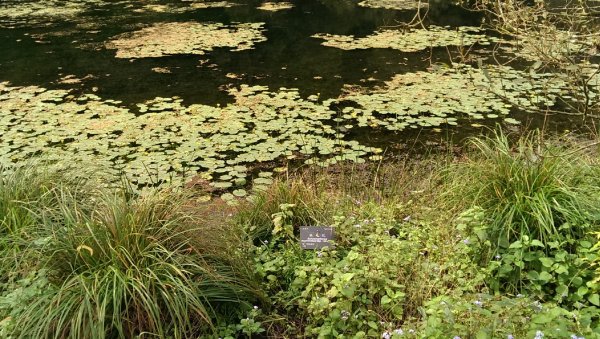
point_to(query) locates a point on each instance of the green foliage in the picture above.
(534, 208)
(485, 316)
(25, 190)
(17, 296)
(378, 273)
(531, 189)
(126, 269)
(247, 326)
(256, 216)
(112, 264)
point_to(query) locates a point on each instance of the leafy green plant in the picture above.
(485, 316)
(558, 271)
(17, 296)
(257, 215)
(380, 271)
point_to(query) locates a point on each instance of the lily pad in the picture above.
(240, 193)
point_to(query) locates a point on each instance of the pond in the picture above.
(231, 91)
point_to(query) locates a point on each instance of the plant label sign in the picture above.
(316, 237)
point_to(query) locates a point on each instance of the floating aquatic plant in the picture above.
(275, 6)
(171, 142)
(44, 8)
(35, 13)
(412, 40)
(395, 4)
(433, 98)
(213, 4)
(185, 38)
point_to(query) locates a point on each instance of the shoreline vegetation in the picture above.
(499, 241)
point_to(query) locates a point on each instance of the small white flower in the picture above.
(399, 331)
(386, 335)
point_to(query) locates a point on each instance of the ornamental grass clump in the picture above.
(23, 190)
(530, 190)
(129, 268)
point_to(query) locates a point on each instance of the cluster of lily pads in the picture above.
(186, 6)
(171, 142)
(443, 95)
(410, 40)
(40, 12)
(275, 6)
(167, 141)
(395, 4)
(185, 38)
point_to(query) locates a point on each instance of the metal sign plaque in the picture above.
(316, 237)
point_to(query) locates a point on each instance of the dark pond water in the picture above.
(289, 57)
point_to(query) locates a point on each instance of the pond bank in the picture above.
(495, 242)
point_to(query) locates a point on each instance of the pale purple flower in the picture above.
(386, 335)
(345, 315)
(478, 303)
(399, 331)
